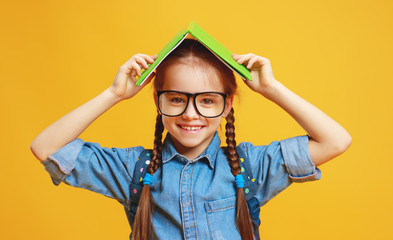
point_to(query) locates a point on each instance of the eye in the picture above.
(177, 100)
(207, 101)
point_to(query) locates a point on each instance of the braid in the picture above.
(232, 155)
(243, 219)
(157, 149)
(142, 223)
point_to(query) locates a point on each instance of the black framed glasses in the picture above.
(207, 104)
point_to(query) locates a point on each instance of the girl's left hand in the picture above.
(260, 69)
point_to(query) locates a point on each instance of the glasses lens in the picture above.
(210, 104)
(172, 103)
(207, 104)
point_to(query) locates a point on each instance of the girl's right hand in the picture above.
(123, 87)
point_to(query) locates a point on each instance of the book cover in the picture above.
(192, 30)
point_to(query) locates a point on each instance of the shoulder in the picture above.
(124, 153)
(251, 150)
(133, 152)
(284, 146)
(127, 156)
(261, 156)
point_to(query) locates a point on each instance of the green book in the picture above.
(192, 30)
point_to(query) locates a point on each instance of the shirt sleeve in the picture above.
(87, 165)
(279, 164)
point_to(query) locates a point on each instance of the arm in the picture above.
(70, 126)
(328, 138)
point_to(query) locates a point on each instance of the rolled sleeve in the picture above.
(277, 165)
(87, 165)
(61, 163)
(297, 159)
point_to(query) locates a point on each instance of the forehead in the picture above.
(192, 78)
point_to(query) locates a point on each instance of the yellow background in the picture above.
(56, 55)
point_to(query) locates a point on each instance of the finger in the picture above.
(252, 61)
(235, 56)
(244, 58)
(136, 67)
(141, 61)
(148, 58)
(247, 57)
(142, 55)
(264, 60)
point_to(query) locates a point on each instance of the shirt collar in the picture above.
(210, 153)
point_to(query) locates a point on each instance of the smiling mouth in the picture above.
(188, 128)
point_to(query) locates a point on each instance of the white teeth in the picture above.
(191, 128)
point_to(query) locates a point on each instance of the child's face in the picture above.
(191, 79)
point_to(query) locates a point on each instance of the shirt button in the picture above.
(187, 175)
(186, 204)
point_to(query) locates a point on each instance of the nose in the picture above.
(190, 112)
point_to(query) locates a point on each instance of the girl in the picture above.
(190, 181)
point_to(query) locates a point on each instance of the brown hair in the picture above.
(194, 53)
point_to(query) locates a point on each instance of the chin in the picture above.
(190, 144)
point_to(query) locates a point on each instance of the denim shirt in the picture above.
(193, 199)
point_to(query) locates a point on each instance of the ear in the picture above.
(228, 105)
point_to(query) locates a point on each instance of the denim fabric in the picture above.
(193, 199)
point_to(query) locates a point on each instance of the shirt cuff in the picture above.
(61, 163)
(297, 159)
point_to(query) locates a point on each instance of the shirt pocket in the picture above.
(221, 218)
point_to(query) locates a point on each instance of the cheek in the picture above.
(216, 122)
(168, 122)
(165, 121)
